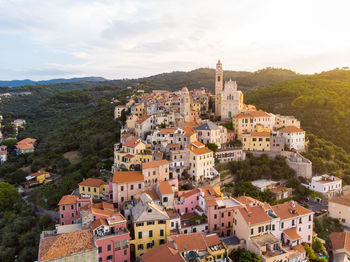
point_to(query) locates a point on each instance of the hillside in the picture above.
(320, 101)
(25, 82)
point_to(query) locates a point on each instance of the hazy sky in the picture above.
(125, 39)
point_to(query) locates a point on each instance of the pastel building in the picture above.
(155, 171)
(326, 185)
(294, 137)
(338, 208)
(112, 239)
(127, 186)
(201, 161)
(186, 201)
(94, 187)
(69, 207)
(220, 215)
(256, 141)
(150, 225)
(295, 225)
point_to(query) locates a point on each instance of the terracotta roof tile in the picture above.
(154, 164)
(133, 142)
(162, 253)
(127, 177)
(289, 210)
(292, 234)
(254, 215)
(93, 182)
(340, 240)
(291, 129)
(165, 188)
(68, 200)
(65, 244)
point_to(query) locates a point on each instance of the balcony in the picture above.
(98, 234)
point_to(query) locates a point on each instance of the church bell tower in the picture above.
(219, 79)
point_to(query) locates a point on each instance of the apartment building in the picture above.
(256, 141)
(201, 161)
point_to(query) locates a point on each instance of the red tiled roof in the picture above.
(291, 129)
(133, 142)
(68, 200)
(154, 164)
(93, 182)
(165, 188)
(59, 246)
(127, 177)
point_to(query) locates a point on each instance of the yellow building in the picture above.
(151, 225)
(40, 177)
(94, 187)
(249, 121)
(138, 110)
(196, 106)
(256, 141)
(132, 154)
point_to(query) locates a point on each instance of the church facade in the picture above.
(228, 100)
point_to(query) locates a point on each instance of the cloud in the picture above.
(121, 38)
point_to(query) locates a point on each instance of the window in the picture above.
(99, 249)
(63, 207)
(109, 257)
(140, 235)
(140, 224)
(150, 233)
(140, 247)
(62, 216)
(89, 189)
(122, 199)
(95, 189)
(161, 232)
(72, 214)
(132, 187)
(252, 231)
(139, 186)
(125, 243)
(282, 225)
(125, 252)
(172, 224)
(300, 221)
(150, 223)
(122, 188)
(149, 245)
(273, 227)
(100, 259)
(161, 222)
(229, 214)
(117, 245)
(310, 218)
(215, 216)
(109, 248)
(222, 215)
(165, 199)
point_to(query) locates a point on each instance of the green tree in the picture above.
(8, 196)
(244, 256)
(212, 146)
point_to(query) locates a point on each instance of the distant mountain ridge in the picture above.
(24, 82)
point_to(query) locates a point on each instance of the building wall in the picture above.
(114, 254)
(68, 214)
(146, 238)
(201, 165)
(256, 143)
(220, 220)
(155, 174)
(295, 140)
(127, 191)
(339, 211)
(186, 205)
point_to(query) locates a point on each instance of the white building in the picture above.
(294, 137)
(118, 111)
(201, 161)
(328, 186)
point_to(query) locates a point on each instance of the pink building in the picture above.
(186, 201)
(220, 215)
(112, 238)
(69, 207)
(127, 186)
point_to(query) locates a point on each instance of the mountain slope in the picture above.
(321, 102)
(16, 83)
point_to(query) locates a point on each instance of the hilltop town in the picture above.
(170, 197)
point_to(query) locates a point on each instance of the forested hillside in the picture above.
(320, 101)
